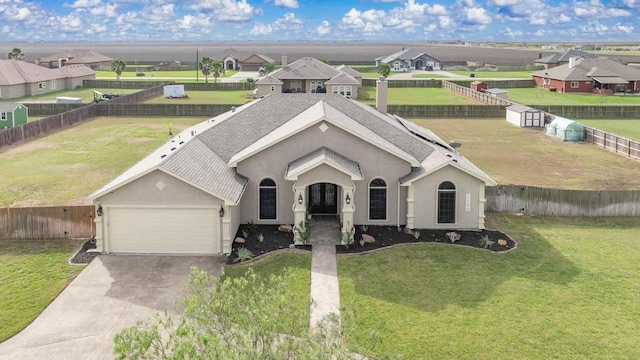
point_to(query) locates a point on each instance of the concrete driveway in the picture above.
(112, 293)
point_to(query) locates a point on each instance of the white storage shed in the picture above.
(524, 116)
(174, 91)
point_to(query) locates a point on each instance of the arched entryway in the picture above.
(230, 65)
(419, 65)
(322, 199)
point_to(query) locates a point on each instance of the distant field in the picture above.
(513, 155)
(418, 96)
(496, 74)
(535, 96)
(628, 128)
(205, 97)
(85, 93)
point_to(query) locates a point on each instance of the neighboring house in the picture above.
(20, 78)
(85, 57)
(12, 114)
(233, 59)
(279, 159)
(563, 58)
(309, 75)
(409, 59)
(599, 75)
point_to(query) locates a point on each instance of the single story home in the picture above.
(563, 58)
(280, 160)
(20, 78)
(600, 75)
(310, 75)
(13, 114)
(233, 59)
(409, 59)
(87, 57)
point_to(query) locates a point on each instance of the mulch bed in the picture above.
(82, 256)
(385, 236)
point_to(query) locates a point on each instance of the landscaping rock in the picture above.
(407, 231)
(285, 228)
(239, 240)
(453, 236)
(368, 239)
(502, 242)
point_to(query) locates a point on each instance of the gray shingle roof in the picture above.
(565, 56)
(585, 69)
(8, 106)
(324, 154)
(13, 72)
(405, 54)
(77, 56)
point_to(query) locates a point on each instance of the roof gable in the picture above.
(323, 156)
(584, 69)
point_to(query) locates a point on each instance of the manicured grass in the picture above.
(32, 274)
(513, 155)
(63, 168)
(496, 74)
(205, 97)
(570, 291)
(628, 128)
(375, 75)
(85, 93)
(536, 96)
(178, 75)
(428, 76)
(417, 96)
(297, 267)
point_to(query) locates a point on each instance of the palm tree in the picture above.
(15, 53)
(384, 70)
(216, 67)
(118, 66)
(206, 65)
(267, 68)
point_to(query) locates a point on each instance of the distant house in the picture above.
(409, 59)
(13, 114)
(563, 58)
(233, 59)
(20, 78)
(309, 75)
(600, 75)
(85, 57)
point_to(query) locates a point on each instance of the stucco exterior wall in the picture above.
(146, 192)
(426, 199)
(272, 163)
(13, 91)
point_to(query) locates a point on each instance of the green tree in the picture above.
(206, 66)
(384, 69)
(216, 68)
(238, 318)
(266, 68)
(118, 66)
(15, 53)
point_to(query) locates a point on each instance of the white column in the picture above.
(299, 210)
(410, 207)
(225, 224)
(99, 232)
(481, 205)
(348, 208)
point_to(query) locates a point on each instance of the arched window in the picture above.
(377, 199)
(446, 203)
(268, 199)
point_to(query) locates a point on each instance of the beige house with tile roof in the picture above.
(20, 78)
(233, 59)
(87, 57)
(309, 75)
(282, 159)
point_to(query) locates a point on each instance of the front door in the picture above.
(323, 198)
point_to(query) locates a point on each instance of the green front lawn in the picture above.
(205, 97)
(496, 74)
(178, 75)
(536, 96)
(570, 291)
(428, 76)
(32, 274)
(63, 168)
(85, 93)
(628, 128)
(417, 96)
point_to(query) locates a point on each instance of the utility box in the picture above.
(174, 91)
(68, 100)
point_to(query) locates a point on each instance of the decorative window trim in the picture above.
(386, 197)
(275, 199)
(3, 116)
(443, 191)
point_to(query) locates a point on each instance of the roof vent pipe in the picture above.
(283, 62)
(572, 62)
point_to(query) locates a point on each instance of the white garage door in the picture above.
(163, 230)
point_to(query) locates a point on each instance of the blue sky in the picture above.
(322, 20)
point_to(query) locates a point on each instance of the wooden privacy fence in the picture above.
(476, 95)
(617, 144)
(567, 203)
(59, 222)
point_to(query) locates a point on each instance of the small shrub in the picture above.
(362, 242)
(416, 234)
(261, 238)
(245, 233)
(485, 242)
(347, 236)
(243, 254)
(364, 228)
(250, 226)
(304, 232)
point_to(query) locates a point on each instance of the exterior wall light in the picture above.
(347, 199)
(300, 199)
(99, 210)
(221, 211)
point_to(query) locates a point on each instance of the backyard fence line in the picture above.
(592, 111)
(496, 83)
(475, 95)
(562, 203)
(41, 223)
(617, 144)
(200, 86)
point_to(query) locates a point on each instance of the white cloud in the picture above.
(594, 27)
(324, 28)
(513, 33)
(288, 22)
(261, 29)
(627, 29)
(189, 22)
(108, 10)
(445, 21)
(504, 2)
(477, 15)
(83, 4)
(596, 10)
(225, 10)
(292, 4)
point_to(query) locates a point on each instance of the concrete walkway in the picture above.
(325, 294)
